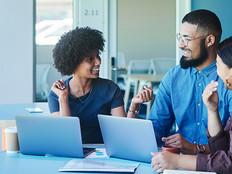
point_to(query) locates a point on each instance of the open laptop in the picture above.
(50, 136)
(128, 138)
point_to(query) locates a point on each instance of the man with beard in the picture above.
(179, 99)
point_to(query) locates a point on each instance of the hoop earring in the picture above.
(227, 82)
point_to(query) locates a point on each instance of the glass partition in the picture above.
(53, 18)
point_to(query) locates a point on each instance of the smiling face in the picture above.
(224, 72)
(192, 43)
(90, 66)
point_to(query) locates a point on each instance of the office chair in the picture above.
(136, 67)
(161, 66)
(44, 83)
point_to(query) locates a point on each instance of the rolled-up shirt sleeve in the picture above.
(222, 140)
(219, 162)
(219, 142)
(220, 159)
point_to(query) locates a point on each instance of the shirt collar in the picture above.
(207, 70)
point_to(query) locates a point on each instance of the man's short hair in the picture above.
(206, 21)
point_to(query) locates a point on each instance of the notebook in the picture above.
(50, 136)
(90, 165)
(128, 138)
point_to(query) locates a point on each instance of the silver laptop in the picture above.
(50, 136)
(128, 138)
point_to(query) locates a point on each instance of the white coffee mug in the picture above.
(11, 140)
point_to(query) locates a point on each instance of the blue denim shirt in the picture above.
(180, 99)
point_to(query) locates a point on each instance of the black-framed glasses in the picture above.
(186, 39)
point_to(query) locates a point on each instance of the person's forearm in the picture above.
(214, 123)
(207, 149)
(64, 107)
(187, 162)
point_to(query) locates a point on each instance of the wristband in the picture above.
(200, 148)
(134, 112)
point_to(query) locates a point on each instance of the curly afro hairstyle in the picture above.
(74, 47)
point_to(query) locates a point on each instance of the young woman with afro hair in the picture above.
(85, 94)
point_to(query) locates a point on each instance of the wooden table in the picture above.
(140, 80)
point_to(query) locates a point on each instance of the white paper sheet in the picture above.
(90, 165)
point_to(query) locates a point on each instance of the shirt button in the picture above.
(199, 84)
(198, 104)
(198, 123)
(199, 71)
(194, 142)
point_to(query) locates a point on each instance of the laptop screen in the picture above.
(128, 138)
(50, 135)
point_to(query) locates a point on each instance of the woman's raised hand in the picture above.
(210, 96)
(143, 96)
(60, 88)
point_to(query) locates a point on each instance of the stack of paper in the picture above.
(89, 165)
